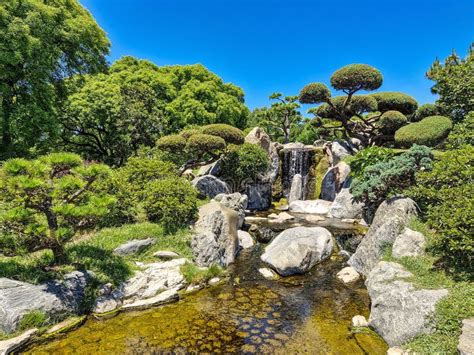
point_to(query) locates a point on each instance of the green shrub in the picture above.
(314, 93)
(367, 157)
(230, 134)
(425, 110)
(171, 201)
(446, 196)
(244, 162)
(395, 101)
(172, 143)
(390, 121)
(190, 131)
(201, 144)
(355, 77)
(462, 133)
(429, 131)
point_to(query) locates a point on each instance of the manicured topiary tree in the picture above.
(429, 131)
(425, 110)
(228, 133)
(45, 201)
(358, 116)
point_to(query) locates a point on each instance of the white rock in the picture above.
(466, 340)
(214, 281)
(359, 321)
(245, 239)
(193, 288)
(268, 273)
(311, 206)
(409, 243)
(11, 345)
(273, 216)
(348, 275)
(285, 217)
(396, 351)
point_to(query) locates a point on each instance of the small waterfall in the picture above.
(296, 159)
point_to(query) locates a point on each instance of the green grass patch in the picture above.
(196, 275)
(33, 319)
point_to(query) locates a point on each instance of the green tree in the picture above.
(45, 201)
(41, 43)
(365, 117)
(454, 83)
(280, 118)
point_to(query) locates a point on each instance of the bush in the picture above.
(172, 143)
(390, 121)
(424, 111)
(201, 144)
(462, 133)
(314, 93)
(172, 202)
(355, 77)
(190, 131)
(395, 101)
(244, 162)
(430, 131)
(229, 134)
(446, 196)
(367, 157)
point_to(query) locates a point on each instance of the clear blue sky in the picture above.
(265, 46)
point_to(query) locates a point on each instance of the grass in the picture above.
(450, 311)
(196, 275)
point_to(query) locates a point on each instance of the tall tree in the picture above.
(41, 43)
(454, 83)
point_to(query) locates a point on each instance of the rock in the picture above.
(66, 325)
(262, 234)
(133, 246)
(55, 298)
(285, 217)
(297, 250)
(390, 219)
(193, 288)
(339, 150)
(296, 190)
(236, 202)
(348, 275)
(409, 243)
(272, 216)
(268, 273)
(310, 206)
(210, 186)
(334, 180)
(259, 137)
(14, 344)
(214, 281)
(213, 169)
(166, 255)
(320, 143)
(109, 300)
(344, 206)
(188, 174)
(296, 145)
(215, 240)
(359, 321)
(259, 196)
(245, 240)
(274, 168)
(399, 310)
(395, 350)
(164, 297)
(283, 208)
(466, 340)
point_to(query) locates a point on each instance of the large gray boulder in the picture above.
(259, 137)
(399, 310)
(408, 243)
(210, 186)
(259, 195)
(344, 206)
(310, 206)
(236, 202)
(133, 246)
(296, 189)
(215, 240)
(466, 340)
(334, 180)
(338, 150)
(55, 298)
(390, 219)
(297, 250)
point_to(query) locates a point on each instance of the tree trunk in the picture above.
(59, 253)
(54, 244)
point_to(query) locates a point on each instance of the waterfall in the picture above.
(296, 159)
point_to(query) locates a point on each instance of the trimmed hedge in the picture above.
(230, 134)
(244, 162)
(430, 131)
(395, 101)
(425, 110)
(355, 77)
(390, 121)
(172, 143)
(314, 93)
(205, 143)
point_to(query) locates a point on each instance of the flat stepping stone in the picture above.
(133, 246)
(166, 254)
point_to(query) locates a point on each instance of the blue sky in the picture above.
(265, 46)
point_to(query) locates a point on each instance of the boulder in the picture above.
(339, 150)
(262, 234)
(390, 219)
(236, 202)
(55, 298)
(311, 206)
(210, 186)
(165, 254)
(133, 246)
(164, 297)
(466, 340)
(408, 243)
(13, 345)
(296, 189)
(348, 275)
(259, 196)
(213, 169)
(297, 250)
(399, 310)
(344, 206)
(215, 240)
(245, 240)
(259, 137)
(334, 180)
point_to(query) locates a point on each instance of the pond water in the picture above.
(246, 314)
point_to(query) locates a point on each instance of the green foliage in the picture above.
(171, 201)
(45, 201)
(390, 121)
(379, 181)
(395, 101)
(446, 196)
(172, 143)
(33, 319)
(196, 275)
(454, 83)
(424, 111)
(43, 42)
(229, 134)
(190, 130)
(355, 77)
(368, 157)
(244, 162)
(429, 131)
(462, 133)
(314, 93)
(358, 105)
(202, 144)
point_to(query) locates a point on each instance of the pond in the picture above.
(246, 314)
